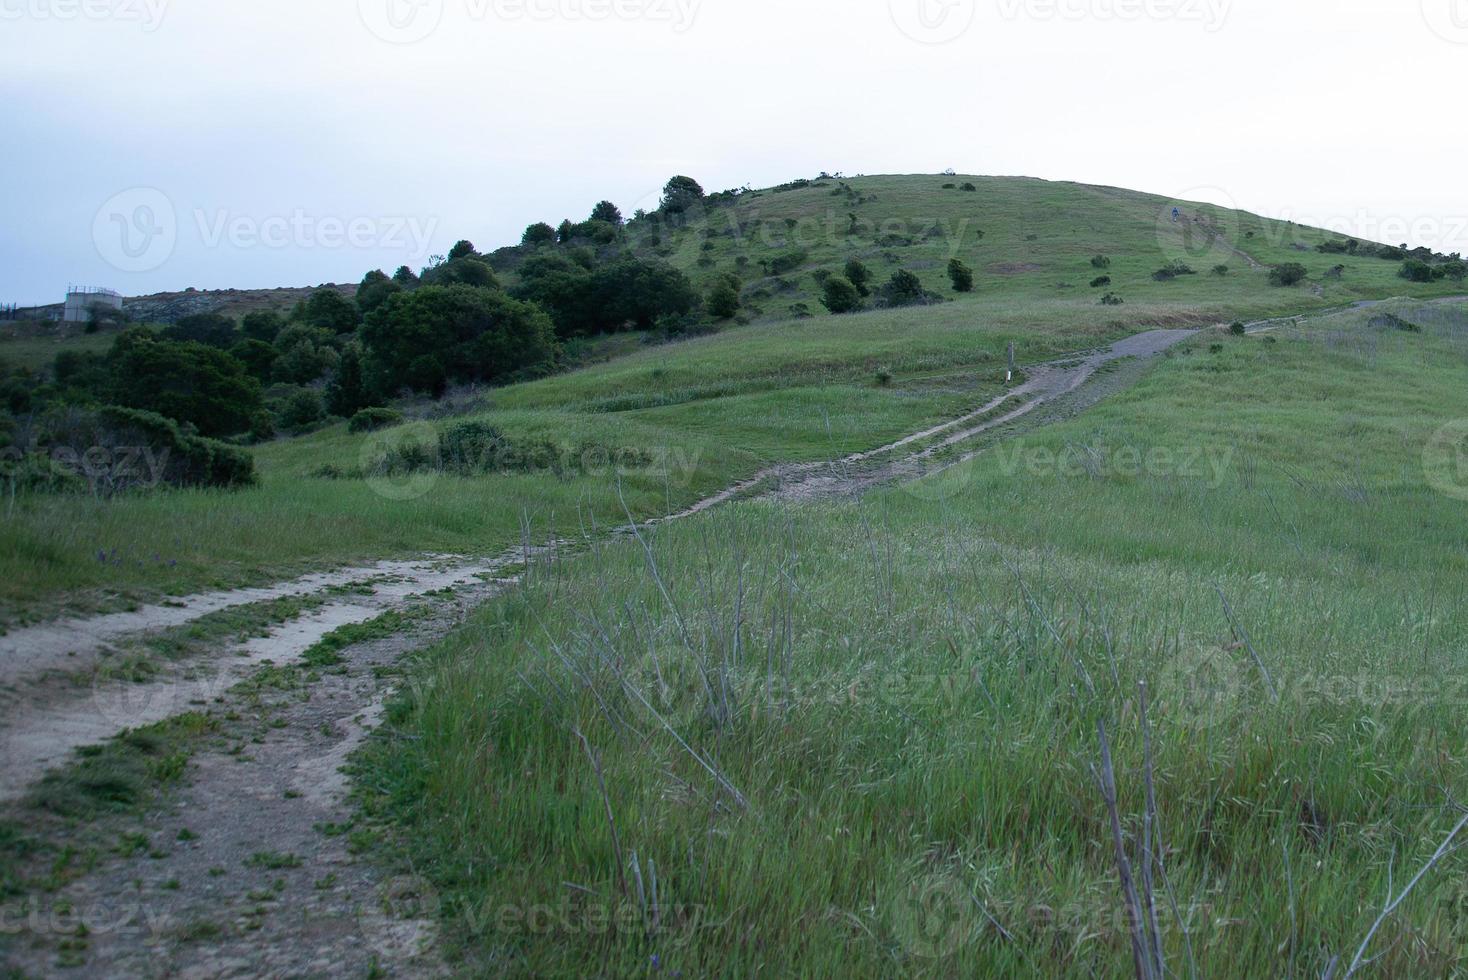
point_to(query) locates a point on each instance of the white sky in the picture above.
(271, 128)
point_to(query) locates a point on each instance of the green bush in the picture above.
(1237, 328)
(187, 460)
(1101, 262)
(538, 234)
(788, 262)
(859, 276)
(1111, 299)
(188, 382)
(961, 275)
(903, 289)
(1416, 270)
(839, 296)
(303, 409)
(372, 419)
(1288, 274)
(1100, 281)
(723, 300)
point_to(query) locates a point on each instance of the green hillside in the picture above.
(725, 403)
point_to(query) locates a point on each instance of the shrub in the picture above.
(1416, 270)
(1455, 269)
(304, 408)
(146, 447)
(1335, 272)
(187, 382)
(347, 393)
(212, 329)
(789, 262)
(839, 296)
(471, 447)
(435, 333)
(859, 275)
(961, 275)
(903, 289)
(262, 325)
(1237, 329)
(1101, 262)
(1111, 299)
(1384, 320)
(1172, 270)
(1220, 270)
(968, 186)
(469, 271)
(1100, 281)
(884, 377)
(1288, 274)
(374, 290)
(723, 300)
(328, 310)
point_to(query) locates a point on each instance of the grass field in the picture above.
(862, 739)
(721, 406)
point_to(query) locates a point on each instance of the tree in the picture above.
(462, 272)
(213, 329)
(262, 325)
(1455, 269)
(859, 275)
(1288, 274)
(374, 290)
(723, 300)
(257, 356)
(462, 249)
(347, 393)
(304, 356)
(539, 234)
(962, 276)
(903, 288)
(680, 194)
(1416, 270)
(608, 212)
(182, 380)
(405, 277)
(840, 296)
(422, 338)
(328, 309)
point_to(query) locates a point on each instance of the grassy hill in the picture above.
(778, 388)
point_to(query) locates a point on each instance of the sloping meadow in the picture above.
(876, 738)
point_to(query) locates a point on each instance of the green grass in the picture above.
(860, 739)
(718, 408)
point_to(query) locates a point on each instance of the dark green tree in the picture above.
(840, 296)
(680, 194)
(961, 275)
(262, 325)
(328, 309)
(462, 249)
(184, 381)
(422, 338)
(607, 212)
(723, 300)
(859, 275)
(374, 290)
(538, 234)
(213, 329)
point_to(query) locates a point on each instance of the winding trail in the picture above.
(343, 919)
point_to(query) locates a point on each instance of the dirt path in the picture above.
(258, 889)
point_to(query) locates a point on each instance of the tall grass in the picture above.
(862, 739)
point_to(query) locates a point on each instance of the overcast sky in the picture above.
(160, 144)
